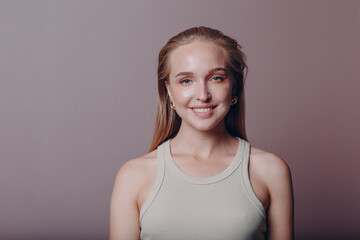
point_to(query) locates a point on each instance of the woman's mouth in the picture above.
(203, 111)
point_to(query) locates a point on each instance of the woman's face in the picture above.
(199, 85)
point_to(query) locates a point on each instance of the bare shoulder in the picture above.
(269, 167)
(273, 176)
(138, 165)
(268, 160)
(135, 172)
(124, 209)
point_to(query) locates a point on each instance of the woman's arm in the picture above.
(124, 213)
(280, 213)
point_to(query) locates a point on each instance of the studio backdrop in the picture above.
(78, 95)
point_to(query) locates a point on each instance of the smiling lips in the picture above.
(203, 111)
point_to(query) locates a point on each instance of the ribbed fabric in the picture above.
(184, 207)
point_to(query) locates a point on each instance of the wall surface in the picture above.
(78, 98)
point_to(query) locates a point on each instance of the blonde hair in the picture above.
(167, 121)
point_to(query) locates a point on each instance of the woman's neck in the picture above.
(202, 144)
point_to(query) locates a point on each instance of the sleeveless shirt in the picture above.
(185, 207)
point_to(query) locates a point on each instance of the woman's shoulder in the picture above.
(268, 167)
(267, 159)
(137, 167)
(135, 172)
(274, 186)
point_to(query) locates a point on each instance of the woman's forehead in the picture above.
(197, 57)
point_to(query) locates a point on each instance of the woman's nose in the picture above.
(203, 93)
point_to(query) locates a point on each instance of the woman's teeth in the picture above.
(202, 109)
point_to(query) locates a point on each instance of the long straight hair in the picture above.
(167, 121)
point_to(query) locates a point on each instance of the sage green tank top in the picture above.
(184, 207)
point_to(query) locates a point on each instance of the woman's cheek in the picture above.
(185, 94)
(188, 93)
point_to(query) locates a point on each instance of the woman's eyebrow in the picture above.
(183, 73)
(210, 72)
(216, 70)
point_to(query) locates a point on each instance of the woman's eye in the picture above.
(185, 81)
(217, 78)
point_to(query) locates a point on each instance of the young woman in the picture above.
(202, 179)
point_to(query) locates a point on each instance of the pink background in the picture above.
(78, 99)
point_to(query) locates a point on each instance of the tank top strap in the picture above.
(246, 179)
(158, 181)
